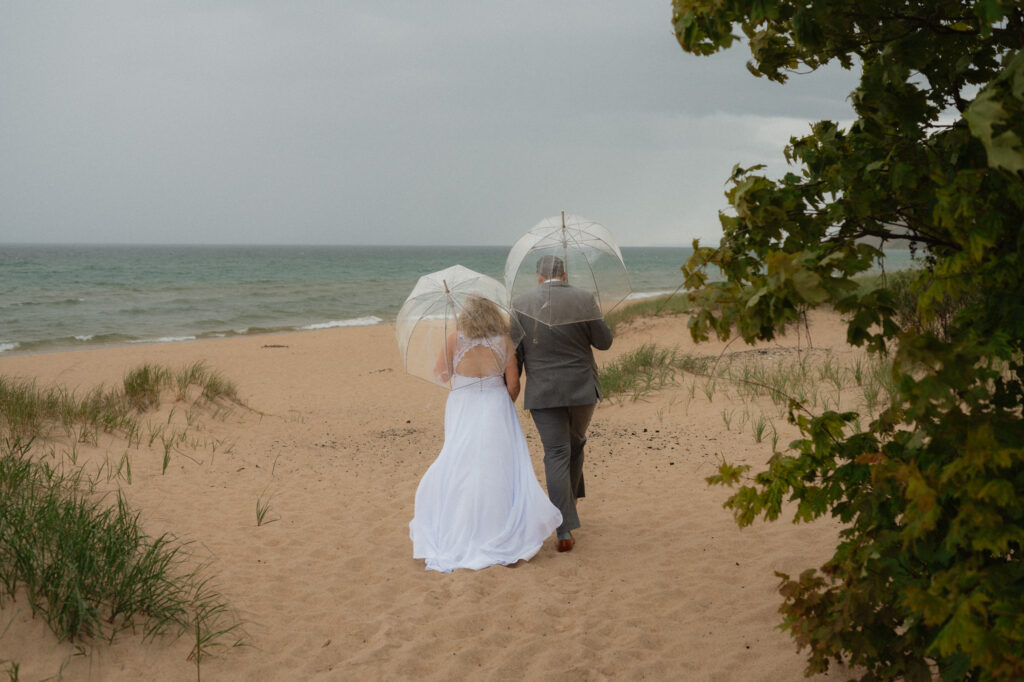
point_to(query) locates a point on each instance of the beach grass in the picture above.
(83, 563)
(143, 385)
(28, 410)
(80, 558)
(646, 369)
(263, 508)
(754, 381)
(808, 379)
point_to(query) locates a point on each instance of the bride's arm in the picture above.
(443, 367)
(511, 370)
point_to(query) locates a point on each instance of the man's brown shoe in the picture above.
(565, 545)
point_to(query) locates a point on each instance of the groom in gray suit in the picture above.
(562, 387)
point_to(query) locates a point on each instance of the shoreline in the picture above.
(84, 343)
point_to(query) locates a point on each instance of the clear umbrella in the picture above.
(566, 250)
(443, 304)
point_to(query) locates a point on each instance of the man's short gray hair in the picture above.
(550, 267)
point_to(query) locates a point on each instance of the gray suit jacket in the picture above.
(559, 360)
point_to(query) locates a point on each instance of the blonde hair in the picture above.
(481, 318)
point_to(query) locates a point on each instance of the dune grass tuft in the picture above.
(212, 384)
(142, 386)
(86, 567)
(81, 560)
(647, 368)
(29, 411)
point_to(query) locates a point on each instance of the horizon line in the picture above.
(309, 245)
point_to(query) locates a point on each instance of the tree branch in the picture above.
(885, 235)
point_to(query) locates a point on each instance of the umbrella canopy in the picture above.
(576, 250)
(444, 303)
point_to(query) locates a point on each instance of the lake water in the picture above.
(59, 297)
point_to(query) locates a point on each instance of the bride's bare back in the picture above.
(481, 357)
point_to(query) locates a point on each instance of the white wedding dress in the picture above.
(479, 503)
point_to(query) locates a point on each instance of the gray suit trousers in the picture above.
(563, 433)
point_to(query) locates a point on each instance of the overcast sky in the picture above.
(373, 122)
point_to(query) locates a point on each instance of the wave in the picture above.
(638, 295)
(164, 339)
(367, 321)
(65, 342)
(46, 302)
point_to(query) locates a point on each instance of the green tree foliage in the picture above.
(927, 576)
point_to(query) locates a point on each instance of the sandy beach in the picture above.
(334, 439)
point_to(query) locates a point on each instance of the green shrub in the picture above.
(926, 579)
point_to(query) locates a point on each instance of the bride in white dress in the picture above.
(479, 503)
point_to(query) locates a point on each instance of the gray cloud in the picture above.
(368, 122)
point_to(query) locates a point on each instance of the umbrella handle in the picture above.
(565, 249)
